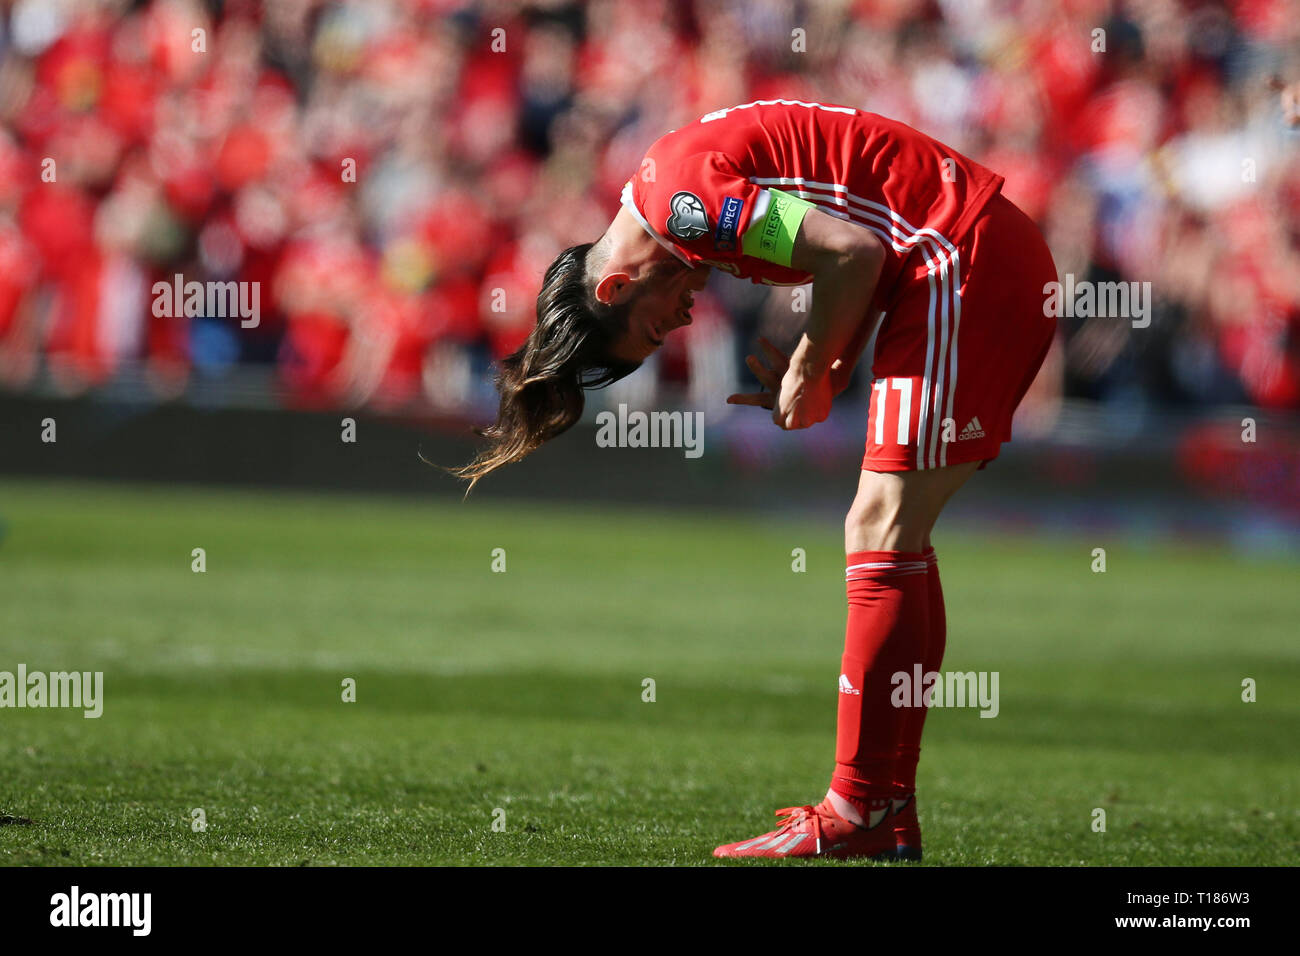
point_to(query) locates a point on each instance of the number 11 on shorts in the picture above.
(881, 390)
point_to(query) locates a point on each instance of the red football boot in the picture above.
(907, 829)
(819, 831)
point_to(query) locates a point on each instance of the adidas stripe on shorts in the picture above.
(963, 336)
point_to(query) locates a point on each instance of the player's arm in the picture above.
(842, 368)
(845, 262)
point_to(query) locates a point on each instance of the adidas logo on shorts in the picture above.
(973, 429)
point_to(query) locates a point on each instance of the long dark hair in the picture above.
(541, 384)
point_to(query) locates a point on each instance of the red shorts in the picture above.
(964, 334)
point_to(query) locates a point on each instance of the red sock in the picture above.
(889, 611)
(909, 743)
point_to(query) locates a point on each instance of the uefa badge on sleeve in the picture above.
(688, 220)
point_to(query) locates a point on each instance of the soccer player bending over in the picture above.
(895, 231)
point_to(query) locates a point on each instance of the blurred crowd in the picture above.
(397, 174)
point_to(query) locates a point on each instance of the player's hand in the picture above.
(772, 377)
(769, 378)
(803, 401)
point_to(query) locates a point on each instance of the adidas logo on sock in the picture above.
(973, 429)
(846, 687)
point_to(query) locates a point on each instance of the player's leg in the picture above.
(902, 489)
(907, 824)
(1002, 336)
(888, 633)
(909, 474)
(895, 511)
(885, 534)
(959, 344)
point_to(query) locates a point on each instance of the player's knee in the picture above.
(872, 523)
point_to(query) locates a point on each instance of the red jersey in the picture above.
(726, 190)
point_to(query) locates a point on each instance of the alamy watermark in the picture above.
(82, 690)
(1085, 300)
(218, 300)
(948, 689)
(75, 908)
(637, 429)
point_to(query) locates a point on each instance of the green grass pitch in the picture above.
(521, 691)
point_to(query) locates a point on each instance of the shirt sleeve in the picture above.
(698, 206)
